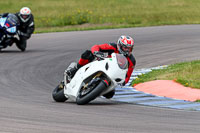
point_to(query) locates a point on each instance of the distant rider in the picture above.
(123, 46)
(26, 27)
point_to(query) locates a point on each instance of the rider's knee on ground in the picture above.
(21, 44)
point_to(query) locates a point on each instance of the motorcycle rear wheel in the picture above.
(95, 92)
(58, 94)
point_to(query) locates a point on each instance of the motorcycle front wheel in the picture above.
(58, 94)
(91, 94)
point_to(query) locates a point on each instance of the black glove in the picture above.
(99, 54)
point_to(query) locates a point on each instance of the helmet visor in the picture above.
(24, 16)
(127, 50)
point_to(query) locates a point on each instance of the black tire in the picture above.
(81, 100)
(58, 94)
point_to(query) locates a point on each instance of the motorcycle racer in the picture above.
(123, 46)
(26, 27)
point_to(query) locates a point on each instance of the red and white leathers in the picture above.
(87, 56)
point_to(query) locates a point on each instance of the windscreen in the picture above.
(122, 61)
(12, 19)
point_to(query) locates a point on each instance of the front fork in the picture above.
(97, 75)
(65, 77)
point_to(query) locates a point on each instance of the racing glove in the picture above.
(98, 54)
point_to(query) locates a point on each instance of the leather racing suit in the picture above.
(88, 56)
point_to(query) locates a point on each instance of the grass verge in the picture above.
(68, 15)
(186, 73)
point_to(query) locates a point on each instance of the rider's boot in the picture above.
(72, 71)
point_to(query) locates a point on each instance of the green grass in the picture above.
(186, 73)
(67, 15)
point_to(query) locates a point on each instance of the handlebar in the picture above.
(100, 55)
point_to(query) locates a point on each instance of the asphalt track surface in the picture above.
(27, 80)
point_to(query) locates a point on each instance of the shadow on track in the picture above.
(105, 102)
(18, 51)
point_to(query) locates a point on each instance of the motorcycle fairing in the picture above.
(2, 22)
(94, 67)
(9, 23)
(12, 29)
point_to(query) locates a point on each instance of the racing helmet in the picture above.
(25, 14)
(125, 45)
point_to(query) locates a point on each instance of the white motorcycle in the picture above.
(95, 79)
